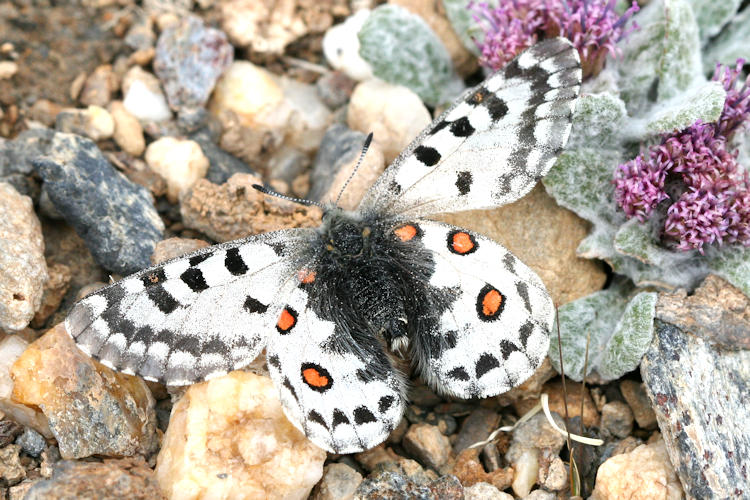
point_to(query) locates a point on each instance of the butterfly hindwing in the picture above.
(345, 397)
(493, 144)
(496, 331)
(194, 317)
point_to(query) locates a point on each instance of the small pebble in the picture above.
(310, 116)
(222, 164)
(143, 96)
(339, 483)
(475, 428)
(93, 122)
(540, 495)
(484, 491)
(11, 470)
(617, 419)
(341, 47)
(635, 395)
(394, 114)
(8, 69)
(427, 444)
(128, 133)
(335, 88)
(99, 87)
(179, 161)
(31, 442)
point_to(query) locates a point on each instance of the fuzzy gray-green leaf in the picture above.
(731, 44)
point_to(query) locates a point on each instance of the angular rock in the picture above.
(636, 397)
(127, 478)
(545, 237)
(93, 122)
(91, 409)
(310, 117)
(179, 161)
(31, 442)
(557, 401)
(115, 217)
(394, 485)
(23, 270)
(470, 471)
(427, 444)
(337, 156)
(235, 210)
(11, 470)
(222, 165)
(394, 114)
(229, 438)
(99, 87)
(16, 155)
(643, 474)
(54, 290)
(475, 428)
(339, 483)
(553, 473)
(190, 58)
(699, 393)
(716, 309)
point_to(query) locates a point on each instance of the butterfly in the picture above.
(338, 307)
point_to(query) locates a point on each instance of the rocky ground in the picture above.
(131, 133)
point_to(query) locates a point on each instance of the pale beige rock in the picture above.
(91, 409)
(128, 132)
(99, 86)
(372, 166)
(143, 97)
(93, 122)
(393, 113)
(643, 474)
(526, 468)
(175, 247)
(23, 270)
(180, 162)
(339, 483)
(545, 237)
(310, 116)
(428, 444)
(485, 491)
(8, 69)
(228, 438)
(54, 290)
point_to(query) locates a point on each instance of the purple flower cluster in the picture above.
(695, 165)
(592, 25)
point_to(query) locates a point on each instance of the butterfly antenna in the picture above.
(365, 147)
(301, 201)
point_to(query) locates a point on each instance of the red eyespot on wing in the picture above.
(316, 377)
(490, 303)
(406, 232)
(461, 242)
(287, 320)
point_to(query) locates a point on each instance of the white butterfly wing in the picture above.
(345, 396)
(496, 332)
(194, 317)
(493, 144)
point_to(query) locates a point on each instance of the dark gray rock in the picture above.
(475, 428)
(700, 397)
(16, 155)
(31, 442)
(339, 146)
(335, 89)
(189, 59)
(115, 217)
(222, 164)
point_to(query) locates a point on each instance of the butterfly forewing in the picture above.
(493, 144)
(194, 317)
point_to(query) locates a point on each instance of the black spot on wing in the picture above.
(162, 299)
(144, 334)
(394, 187)
(384, 403)
(458, 373)
(197, 259)
(234, 263)
(187, 343)
(252, 305)
(274, 361)
(193, 278)
(485, 363)
(507, 348)
(362, 415)
(523, 290)
(440, 126)
(509, 261)
(463, 182)
(339, 418)
(427, 155)
(525, 332)
(496, 107)
(216, 346)
(288, 385)
(462, 127)
(314, 416)
(278, 248)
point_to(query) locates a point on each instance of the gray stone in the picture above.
(335, 88)
(115, 217)
(339, 482)
(31, 442)
(475, 428)
(16, 155)
(189, 59)
(391, 485)
(222, 164)
(427, 444)
(340, 145)
(700, 394)
(617, 419)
